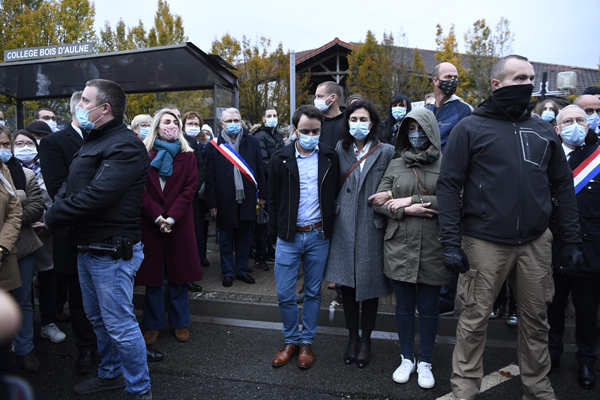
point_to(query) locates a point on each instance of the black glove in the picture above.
(455, 259)
(571, 259)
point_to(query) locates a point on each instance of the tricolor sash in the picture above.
(233, 157)
(587, 170)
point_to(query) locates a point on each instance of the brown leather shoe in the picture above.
(284, 355)
(306, 358)
(182, 334)
(150, 336)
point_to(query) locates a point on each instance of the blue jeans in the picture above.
(427, 298)
(154, 307)
(24, 339)
(238, 240)
(107, 291)
(313, 249)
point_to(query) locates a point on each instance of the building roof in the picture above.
(404, 55)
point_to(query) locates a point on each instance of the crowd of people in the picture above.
(442, 205)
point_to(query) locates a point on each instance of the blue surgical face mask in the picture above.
(82, 116)
(271, 122)
(308, 142)
(233, 128)
(573, 134)
(359, 129)
(593, 120)
(398, 113)
(5, 155)
(193, 131)
(418, 139)
(144, 131)
(548, 115)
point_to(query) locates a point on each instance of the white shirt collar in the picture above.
(77, 129)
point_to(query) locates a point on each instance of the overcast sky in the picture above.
(559, 32)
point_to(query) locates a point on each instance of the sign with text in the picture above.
(60, 50)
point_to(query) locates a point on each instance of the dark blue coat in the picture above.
(220, 187)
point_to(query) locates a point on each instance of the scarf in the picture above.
(237, 175)
(7, 186)
(37, 170)
(422, 158)
(165, 152)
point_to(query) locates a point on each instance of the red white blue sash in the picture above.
(230, 154)
(587, 170)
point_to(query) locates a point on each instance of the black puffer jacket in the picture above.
(270, 140)
(284, 193)
(102, 195)
(508, 170)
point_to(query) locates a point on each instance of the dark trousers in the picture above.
(427, 299)
(178, 307)
(47, 296)
(85, 338)
(448, 292)
(260, 240)
(506, 293)
(237, 240)
(201, 227)
(583, 291)
(354, 311)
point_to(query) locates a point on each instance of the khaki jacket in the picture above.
(10, 226)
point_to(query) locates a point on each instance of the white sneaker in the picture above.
(402, 373)
(52, 332)
(426, 379)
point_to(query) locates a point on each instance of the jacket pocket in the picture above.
(390, 230)
(466, 287)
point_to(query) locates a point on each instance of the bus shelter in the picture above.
(156, 69)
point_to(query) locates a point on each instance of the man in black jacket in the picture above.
(232, 196)
(582, 285)
(56, 153)
(303, 188)
(270, 140)
(101, 200)
(328, 99)
(506, 165)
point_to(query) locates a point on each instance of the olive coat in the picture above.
(356, 252)
(10, 226)
(411, 246)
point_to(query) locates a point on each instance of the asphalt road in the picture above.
(224, 362)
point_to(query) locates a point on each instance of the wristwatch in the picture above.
(4, 250)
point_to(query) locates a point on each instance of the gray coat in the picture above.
(356, 252)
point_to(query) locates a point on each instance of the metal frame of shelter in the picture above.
(150, 70)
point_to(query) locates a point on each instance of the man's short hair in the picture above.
(567, 108)
(594, 90)
(75, 97)
(499, 70)
(231, 110)
(332, 88)
(110, 92)
(311, 112)
(37, 113)
(269, 108)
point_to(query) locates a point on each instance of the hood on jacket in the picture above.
(398, 98)
(426, 119)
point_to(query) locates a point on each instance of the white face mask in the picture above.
(2, 122)
(271, 122)
(193, 131)
(322, 105)
(51, 124)
(26, 153)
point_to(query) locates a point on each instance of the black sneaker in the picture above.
(96, 384)
(140, 396)
(227, 281)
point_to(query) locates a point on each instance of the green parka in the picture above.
(411, 247)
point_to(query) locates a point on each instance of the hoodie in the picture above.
(507, 171)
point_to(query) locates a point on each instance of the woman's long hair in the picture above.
(149, 141)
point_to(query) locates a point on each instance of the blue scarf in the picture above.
(163, 161)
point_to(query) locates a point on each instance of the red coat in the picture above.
(176, 251)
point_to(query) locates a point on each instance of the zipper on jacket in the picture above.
(519, 152)
(321, 196)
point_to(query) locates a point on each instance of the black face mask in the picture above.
(448, 86)
(513, 100)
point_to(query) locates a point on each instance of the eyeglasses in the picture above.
(590, 111)
(24, 144)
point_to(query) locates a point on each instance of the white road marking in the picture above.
(491, 380)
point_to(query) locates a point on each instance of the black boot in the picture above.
(587, 376)
(364, 354)
(351, 348)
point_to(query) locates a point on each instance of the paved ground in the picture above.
(223, 362)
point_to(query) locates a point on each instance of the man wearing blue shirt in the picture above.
(303, 183)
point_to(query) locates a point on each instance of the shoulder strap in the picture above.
(357, 163)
